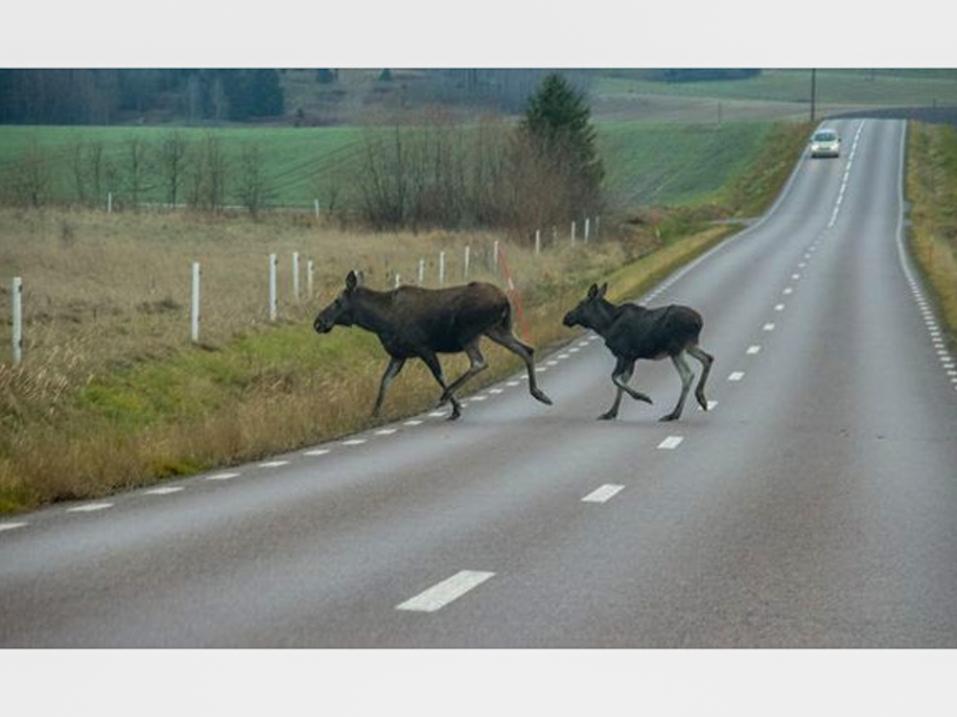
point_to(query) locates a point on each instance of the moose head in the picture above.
(341, 310)
(591, 311)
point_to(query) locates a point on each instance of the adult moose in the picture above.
(419, 323)
(633, 332)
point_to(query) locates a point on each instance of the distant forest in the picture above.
(106, 96)
(211, 96)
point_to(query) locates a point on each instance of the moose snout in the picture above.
(569, 320)
(321, 326)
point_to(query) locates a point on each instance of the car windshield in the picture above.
(825, 137)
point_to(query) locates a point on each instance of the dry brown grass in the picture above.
(932, 190)
(111, 394)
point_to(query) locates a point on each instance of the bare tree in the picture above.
(206, 179)
(253, 189)
(28, 180)
(172, 164)
(78, 170)
(137, 167)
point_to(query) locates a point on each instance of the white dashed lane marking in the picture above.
(512, 383)
(602, 494)
(671, 442)
(11, 526)
(273, 464)
(437, 414)
(768, 327)
(788, 290)
(478, 398)
(753, 349)
(316, 452)
(736, 376)
(89, 507)
(354, 442)
(164, 490)
(386, 431)
(227, 476)
(496, 391)
(441, 594)
(779, 307)
(412, 422)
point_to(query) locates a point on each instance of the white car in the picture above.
(825, 143)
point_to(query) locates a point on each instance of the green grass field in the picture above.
(645, 162)
(675, 164)
(839, 87)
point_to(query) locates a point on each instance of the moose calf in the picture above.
(633, 332)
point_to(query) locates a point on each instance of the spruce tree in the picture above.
(557, 122)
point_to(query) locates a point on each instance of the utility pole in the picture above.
(813, 91)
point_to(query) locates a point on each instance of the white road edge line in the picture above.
(225, 476)
(671, 442)
(164, 490)
(441, 594)
(11, 526)
(89, 507)
(603, 493)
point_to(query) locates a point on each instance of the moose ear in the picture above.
(352, 281)
(593, 291)
(603, 289)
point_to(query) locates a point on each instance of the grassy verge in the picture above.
(112, 397)
(932, 191)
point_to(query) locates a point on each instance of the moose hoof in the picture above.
(702, 402)
(669, 417)
(609, 416)
(455, 415)
(542, 397)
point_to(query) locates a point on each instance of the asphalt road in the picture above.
(815, 505)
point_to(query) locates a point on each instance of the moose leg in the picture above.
(706, 360)
(477, 366)
(391, 371)
(620, 377)
(504, 337)
(432, 361)
(612, 413)
(687, 376)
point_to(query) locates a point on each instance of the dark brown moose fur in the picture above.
(412, 322)
(632, 332)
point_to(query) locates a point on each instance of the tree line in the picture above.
(199, 174)
(106, 96)
(435, 171)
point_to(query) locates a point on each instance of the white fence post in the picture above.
(310, 270)
(465, 271)
(17, 301)
(272, 287)
(109, 202)
(194, 306)
(538, 242)
(587, 227)
(573, 232)
(295, 275)
(398, 280)
(597, 224)
(421, 271)
(441, 268)
(316, 205)
(495, 256)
